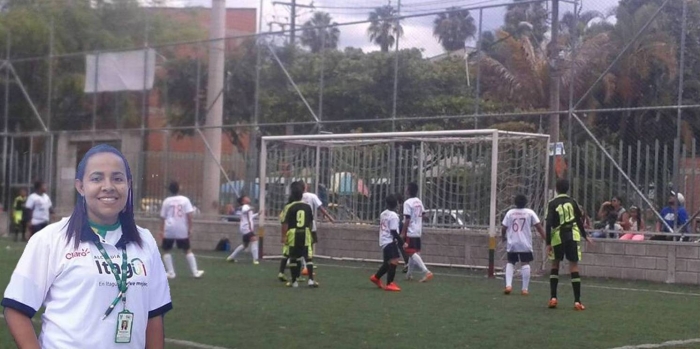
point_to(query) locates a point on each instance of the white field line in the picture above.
(186, 344)
(673, 343)
(531, 281)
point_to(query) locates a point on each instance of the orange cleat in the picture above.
(376, 281)
(579, 307)
(427, 277)
(508, 290)
(305, 272)
(393, 287)
(525, 292)
(553, 303)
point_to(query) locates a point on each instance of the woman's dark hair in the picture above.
(78, 224)
(611, 219)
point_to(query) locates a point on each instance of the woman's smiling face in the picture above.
(105, 187)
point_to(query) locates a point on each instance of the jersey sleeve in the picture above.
(32, 278)
(159, 301)
(535, 219)
(394, 223)
(30, 202)
(506, 220)
(164, 209)
(188, 208)
(317, 202)
(407, 209)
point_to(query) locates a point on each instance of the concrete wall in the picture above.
(645, 260)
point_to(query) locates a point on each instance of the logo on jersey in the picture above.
(135, 267)
(77, 254)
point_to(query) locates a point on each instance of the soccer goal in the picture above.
(466, 178)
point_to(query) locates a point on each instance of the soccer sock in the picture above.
(554, 282)
(391, 274)
(310, 268)
(168, 261)
(509, 274)
(294, 266)
(382, 270)
(576, 284)
(254, 250)
(283, 264)
(525, 270)
(192, 262)
(237, 251)
(411, 265)
(419, 263)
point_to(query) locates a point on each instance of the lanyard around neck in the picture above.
(121, 279)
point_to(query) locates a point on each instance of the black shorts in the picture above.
(413, 245)
(314, 237)
(36, 228)
(524, 257)
(390, 251)
(247, 238)
(568, 249)
(183, 244)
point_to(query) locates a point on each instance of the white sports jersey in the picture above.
(413, 207)
(312, 200)
(518, 222)
(388, 221)
(40, 205)
(247, 225)
(76, 286)
(174, 211)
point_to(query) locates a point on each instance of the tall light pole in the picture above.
(554, 84)
(215, 108)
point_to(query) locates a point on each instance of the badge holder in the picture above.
(125, 321)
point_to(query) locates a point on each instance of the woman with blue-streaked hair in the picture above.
(98, 275)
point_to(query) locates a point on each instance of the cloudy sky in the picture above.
(417, 31)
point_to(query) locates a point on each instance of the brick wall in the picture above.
(656, 261)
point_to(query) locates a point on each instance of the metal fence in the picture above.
(620, 83)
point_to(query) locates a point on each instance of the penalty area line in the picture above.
(186, 344)
(673, 343)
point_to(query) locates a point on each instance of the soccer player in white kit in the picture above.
(412, 231)
(389, 240)
(176, 218)
(312, 200)
(247, 230)
(516, 231)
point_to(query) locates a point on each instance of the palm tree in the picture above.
(384, 29)
(320, 33)
(453, 28)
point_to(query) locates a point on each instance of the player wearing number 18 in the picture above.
(564, 232)
(296, 234)
(516, 230)
(176, 224)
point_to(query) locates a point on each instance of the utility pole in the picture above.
(293, 23)
(554, 85)
(215, 108)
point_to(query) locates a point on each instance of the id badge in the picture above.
(125, 320)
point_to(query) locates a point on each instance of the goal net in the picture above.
(467, 179)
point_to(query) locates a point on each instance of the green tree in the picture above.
(453, 28)
(533, 13)
(320, 32)
(384, 29)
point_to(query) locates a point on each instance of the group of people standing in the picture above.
(31, 213)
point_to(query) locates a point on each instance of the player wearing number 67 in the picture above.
(564, 232)
(517, 233)
(176, 215)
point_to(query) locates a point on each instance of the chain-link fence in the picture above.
(619, 75)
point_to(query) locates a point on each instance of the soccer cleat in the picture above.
(376, 281)
(525, 292)
(393, 287)
(305, 271)
(230, 259)
(553, 303)
(292, 284)
(405, 269)
(427, 277)
(256, 262)
(312, 283)
(198, 274)
(579, 307)
(409, 277)
(508, 290)
(170, 275)
(282, 277)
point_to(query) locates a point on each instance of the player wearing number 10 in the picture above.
(564, 232)
(516, 231)
(176, 214)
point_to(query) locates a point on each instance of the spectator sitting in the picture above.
(674, 221)
(612, 226)
(622, 215)
(636, 224)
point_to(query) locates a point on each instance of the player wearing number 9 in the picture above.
(296, 226)
(564, 232)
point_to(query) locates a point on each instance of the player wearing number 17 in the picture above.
(516, 231)
(564, 232)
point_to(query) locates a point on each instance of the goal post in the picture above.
(468, 177)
